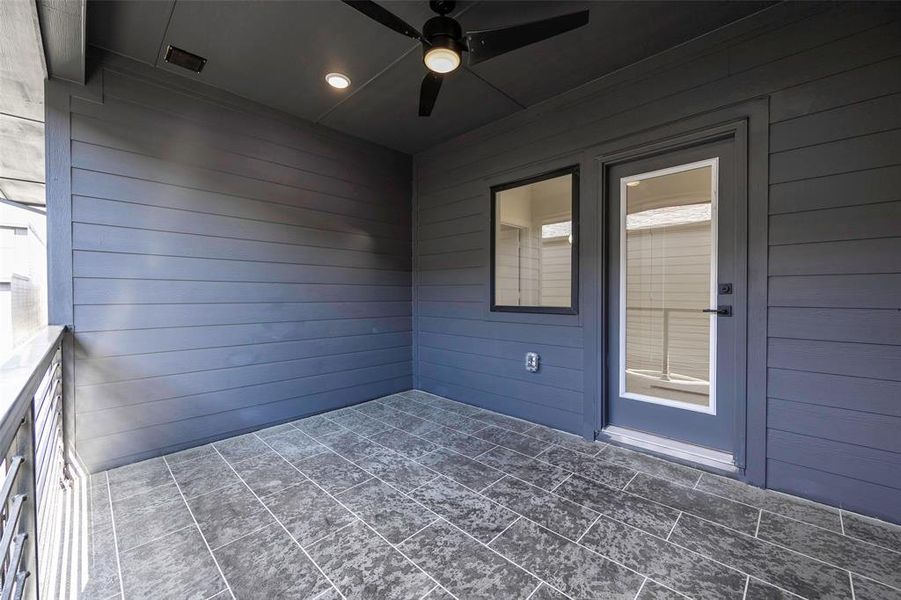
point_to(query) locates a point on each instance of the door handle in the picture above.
(723, 309)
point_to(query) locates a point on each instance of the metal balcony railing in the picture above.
(33, 469)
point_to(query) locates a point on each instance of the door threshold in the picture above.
(682, 452)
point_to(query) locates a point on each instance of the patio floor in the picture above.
(417, 496)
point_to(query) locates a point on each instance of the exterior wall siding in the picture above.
(832, 77)
(231, 267)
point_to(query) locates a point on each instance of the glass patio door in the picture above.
(672, 296)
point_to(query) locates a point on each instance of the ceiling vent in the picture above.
(184, 59)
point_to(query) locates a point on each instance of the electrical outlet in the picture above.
(532, 361)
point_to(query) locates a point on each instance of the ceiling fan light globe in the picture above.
(441, 60)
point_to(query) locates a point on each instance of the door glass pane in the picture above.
(668, 234)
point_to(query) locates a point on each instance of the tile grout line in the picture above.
(503, 531)
(744, 594)
(757, 528)
(851, 581)
(112, 516)
(673, 528)
(277, 520)
(426, 595)
(420, 530)
(331, 533)
(641, 587)
(196, 524)
(564, 480)
(537, 587)
(698, 482)
(587, 529)
(628, 483)
(363, 521)
(841, 521)
(156, 539)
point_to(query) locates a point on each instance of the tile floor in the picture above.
(416, 496)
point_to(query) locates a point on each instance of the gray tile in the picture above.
(317, 426)
(227, 514)
(788, 570)
(358, 422)
(499, 420)
(403, 443)
(362, 565)
(546, 592)
(175, 566)
(547, 509)
(376, 410)
(385, 509)
(307, 512)
(348, 444)
(467, 410)
(99, 498)
(190, 454)
(651, 465)
(655, 591)
(332, 472)
(267, 473)
(854, 555)
(534, 471)
(102, 566)
(514, 441)
(457, 441)
(783, 504)
(758, 590)
(634, 510)
(452, 420)
(567, 440)
(438, 594)
(330, 594)
(469, 511)
(609, 474)
(464, 470)
(713, 508)
(407, 422)
(578, 572)
(874, 531)
(404, 404)
(241, 447)
(203, 475)
(865, 589)
(277, 429)
(144, 517)
(138, 478)
(268, 564)
(394, 469)
(670, 565)
(295, 446)
(465, 567)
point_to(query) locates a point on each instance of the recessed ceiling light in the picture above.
(338, 80)
(633, 183)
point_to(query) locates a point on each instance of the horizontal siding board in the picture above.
(122, 214)
(877, 396)
(836, 424)
(169, 437)
(882, 255)
(858, 360)
(101, 238)
(108, 421)
(144, 341)
(102, 396)
(860, 118)
(514, 332)
(849, 460)
(111, 369)
(836, 325)
(465, 276)
(837, 291)
(558, 377)
(871, 186)
(110, 317)
(847, 223)
(137, 266)
(842, 156)
(560, 356)
(847, 492)
(551, 416)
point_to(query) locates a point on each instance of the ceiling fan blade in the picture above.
(385, 17)
(428, 93)
(494, 42)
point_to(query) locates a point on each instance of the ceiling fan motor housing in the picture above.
(443, 32)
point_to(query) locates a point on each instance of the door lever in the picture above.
(723, 309)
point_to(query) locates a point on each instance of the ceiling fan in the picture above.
(444, 42)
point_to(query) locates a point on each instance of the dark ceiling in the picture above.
(277, 53)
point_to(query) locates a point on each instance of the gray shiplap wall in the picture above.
(231, 267)
(832, 75)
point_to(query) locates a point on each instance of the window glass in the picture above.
(534, 245)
